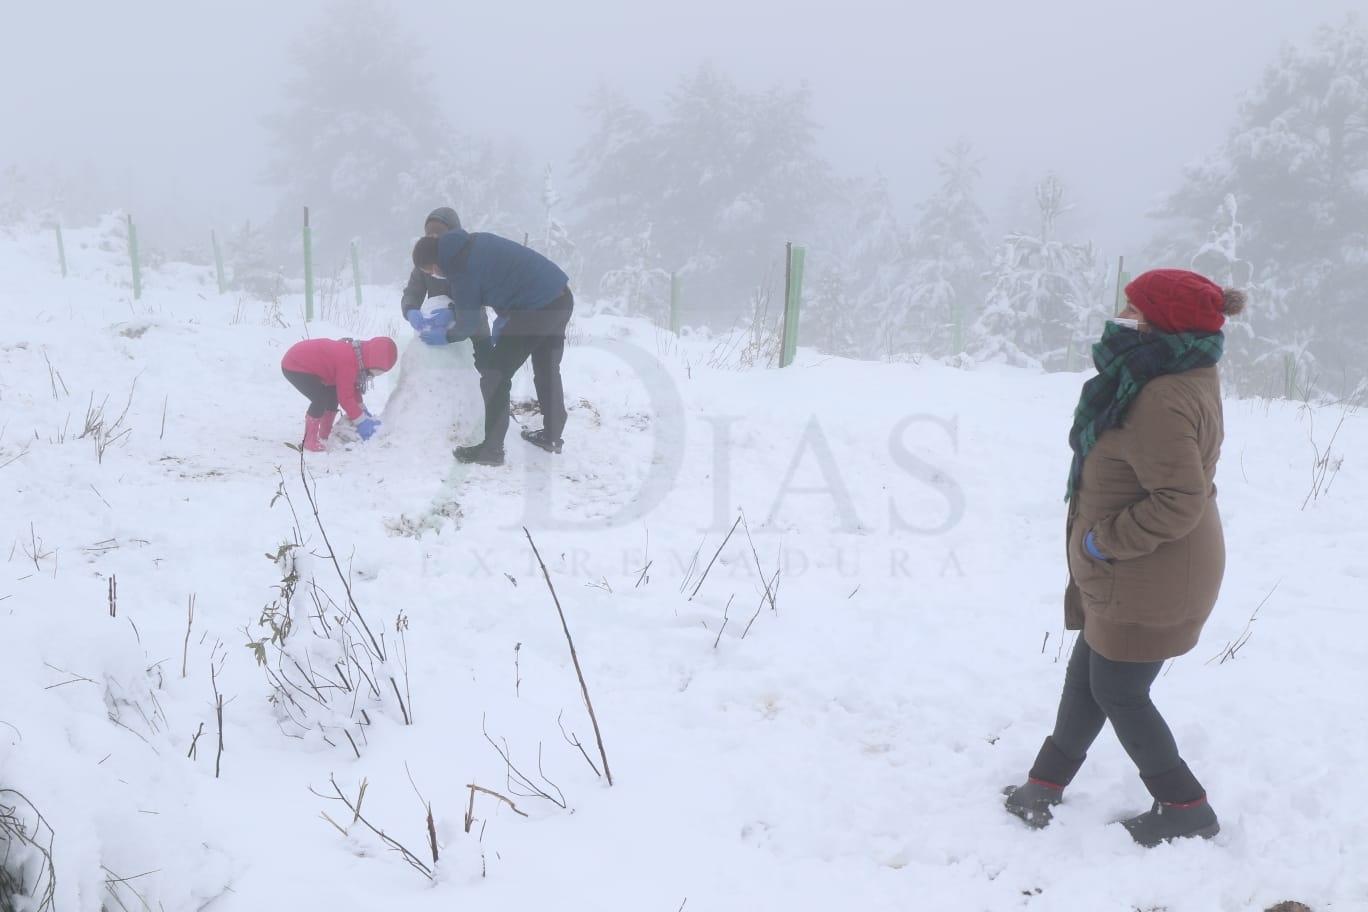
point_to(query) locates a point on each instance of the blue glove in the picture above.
(367, 426)
(1092, 548)
(434, 329)
(415, 318)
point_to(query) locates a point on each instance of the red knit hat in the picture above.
(1175, 300)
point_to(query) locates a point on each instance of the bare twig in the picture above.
(189, 623)
(377, 644)
(517, 777)
(574, 741)
(17, 456)
(413, 860)
(194, 740)
(646, 558)
(725, 609)
(432, 834)
(1235, 645)
(768, 596)
(218, 713)
(574, 656)
(1324, 465)
(714, 558)
(32, 830)
(470, 810)
(760, 572)
(55, 378)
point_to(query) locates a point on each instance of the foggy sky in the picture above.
(164, 98)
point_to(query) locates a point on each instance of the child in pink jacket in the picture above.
(334, 373)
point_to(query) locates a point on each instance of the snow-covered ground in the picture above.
(815, 708)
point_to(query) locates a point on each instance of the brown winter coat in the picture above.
(1149, 496)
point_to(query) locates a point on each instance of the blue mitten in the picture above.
(434, 330)
(416, 319)
(367, 426)
(1091, 547)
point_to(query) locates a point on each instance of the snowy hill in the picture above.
(817, 613)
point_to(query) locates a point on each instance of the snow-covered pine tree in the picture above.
(949, 256)
(354, 114)
(490, 187)
(1045, 304)
(638, 286)
(855, 298)
(613, 168)
(555, 241)
(1295, 169)
(724, 180)
(249, 265)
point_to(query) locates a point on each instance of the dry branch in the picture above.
(714, 558)
(574, 656)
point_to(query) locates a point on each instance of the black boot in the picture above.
(479, 453)
(1180, 810)
(539, 438)
(1044, 786)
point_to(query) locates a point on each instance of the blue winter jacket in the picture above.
(486, 270)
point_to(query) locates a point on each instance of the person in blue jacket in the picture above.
(532, 303)
(423, 289)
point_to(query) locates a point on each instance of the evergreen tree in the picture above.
(614, 170)
(855, 299)
(356, 115)
(1295, 169)
(637, 286)
(1043, 306)
(249, 265)
(949, 256)
(487, 185)
(722, 182)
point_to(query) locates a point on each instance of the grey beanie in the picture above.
(446, 215)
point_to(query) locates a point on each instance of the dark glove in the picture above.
(367, 426)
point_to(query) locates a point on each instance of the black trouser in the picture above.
(539, 335)
(1098, 690)
(322, 398)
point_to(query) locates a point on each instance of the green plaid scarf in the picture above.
(1126, 360)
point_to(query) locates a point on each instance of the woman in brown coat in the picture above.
(1145, 549)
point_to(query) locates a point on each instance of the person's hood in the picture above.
(450, 244)
(446, 215)
(379, 353)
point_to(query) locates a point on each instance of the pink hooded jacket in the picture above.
(339, 362)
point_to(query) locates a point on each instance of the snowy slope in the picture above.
(818, 715)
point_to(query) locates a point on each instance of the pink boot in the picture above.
(325, 424)
(312, 426)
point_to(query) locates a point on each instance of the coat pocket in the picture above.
(1095, 579)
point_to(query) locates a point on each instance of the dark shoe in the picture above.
(539, 438)
(479, 453)
(1173, 821)
(1033, 802)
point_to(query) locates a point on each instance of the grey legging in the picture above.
(1098, 690)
